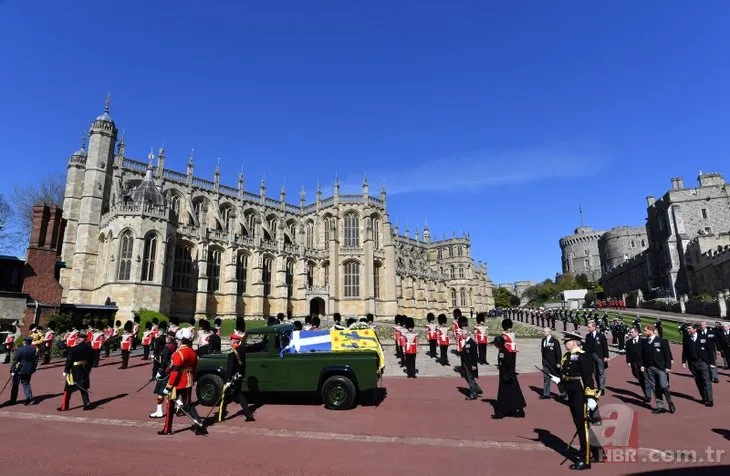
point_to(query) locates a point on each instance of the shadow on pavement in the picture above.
(724, 433)
(101, 402)
(553, 442)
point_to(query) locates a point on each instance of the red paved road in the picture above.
(395, 437)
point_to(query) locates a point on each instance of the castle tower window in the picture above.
(183, 267)
(704, 213)
(440, 253)
(126, 244)
(462, 296)
(214, 270)
(309, 234)
(461, 272)
(227, 217)
(453, 298)
(148, 262)
(352, 230)
(451, 251)
(266, 276)
(241, 273)
(175, 207)
(461, 251)
(643, 243)
(376, 233)
(376, 279)
(251, 224)
(289, 279)
(327, 232)
(633, 244)
(326, 267)
(452, 272)
(352, 279)
(310, 275)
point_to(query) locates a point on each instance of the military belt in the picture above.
(81, 362)
(572, 378)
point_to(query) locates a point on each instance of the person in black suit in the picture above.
(708, 333)
(469, 360)
(23, 366)
(77, 372)
(551, 355)
(635, 361)
(657, 362)
(724, 342)
(596, 346)
(698, 352)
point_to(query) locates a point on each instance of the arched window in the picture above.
(352, 279)
(440, 253)
(327, 231)
(376, 233)
(272, 223)
(453, 298)
(227, 217)
(352, 230)
(309, 231)
(251, 224)
(201, 212)
(326, 267)
(461, 271)
(633, 244)
(241, 273)
(175, 207)
(214, 270)
(376, 279)
(643, 243)
(461, 251)
(266, 276)
(310, 275)
(452, 272)
(289, 279)
(126, 244)
(183, 276)
(150, 254)
(451, 251)
(462, 296)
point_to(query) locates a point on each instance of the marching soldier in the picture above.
(596, 346)
(22, 368)
(698, 352)
(179, 387)
(314, 324)
(634, 359)
(174, 324)
(116, 334)
(659, 328)
(77, 372)
(70, 339)
(135, 331)
(481, 338)
(370, 320)
(510, 399)
(147, 340)
(564, 318)
(469, 362)
(443, 339)
(575, 320)
(165, 347)
(431, 334)
(622, 329)
(203, 337)
(108, 336)
(47, 346)
(337, 322)
(410, 347)
(158, 345)
(9, 344)
(97, 342)
(236, 373)
(215, 337)
(126, 343)
(576, 375)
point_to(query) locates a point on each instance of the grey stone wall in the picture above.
(620, 244)
(631, 275)
(580, 253)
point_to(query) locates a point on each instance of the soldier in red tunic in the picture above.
(126, 343)
(9, 344)
(147, 337)
(481, 338)
(410, 347)
(443, 339)
(97, 342)
(179, 388)
(432, 334)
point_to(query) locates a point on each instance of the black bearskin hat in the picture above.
(162, 326)
(128, 326)
(280, 317)
(350, 321)
(457, 313)
(298, 325)
(52, 325)
(337, 317)
(396, 320)
(507, 324)
(155, 321)
(191, 321)
(363, 319)
(13, 329)
(430, 317)
(442, 319)
(137, 319)
(118, 323)
(271, 321)
(463, 322)
(240, 324)
(174, 320)
(307, 319)
(315, 321)
(410, 323)
(204, 324)
(480, 318)
(32, 327)
(370, 317)
(148, 326)
(217, 321)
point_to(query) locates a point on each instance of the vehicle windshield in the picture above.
(283, 339)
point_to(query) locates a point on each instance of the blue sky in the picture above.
(497, 118)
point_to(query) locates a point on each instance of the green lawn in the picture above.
(670, 328)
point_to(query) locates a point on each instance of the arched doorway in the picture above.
(316, 307)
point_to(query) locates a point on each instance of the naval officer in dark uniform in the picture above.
(576, 375)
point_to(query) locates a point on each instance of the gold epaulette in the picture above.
(592, 393)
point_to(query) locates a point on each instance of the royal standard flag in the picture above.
(358, 339)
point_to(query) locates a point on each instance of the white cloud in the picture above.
(481, 170)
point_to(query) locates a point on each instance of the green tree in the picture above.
(590, 298)
(582, 281)
(504, 298)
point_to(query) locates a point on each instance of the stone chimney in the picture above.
(650, 201)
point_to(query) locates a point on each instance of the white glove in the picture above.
(592, 405)
(12, 375)
(166, 392)
(64, 374)
(158, 376)
(555, 379)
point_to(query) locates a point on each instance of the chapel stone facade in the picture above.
(148, 237)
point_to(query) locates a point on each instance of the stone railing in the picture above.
(318, 289)
(204, 184)
(77, 159)
(188, 230)
(315, 253)
(174, 176)
(269, 245)
(245, 241)
(229, 191)
(142, 210)
(351, 249)
(135, 165)
(291, 249)
(220, 235)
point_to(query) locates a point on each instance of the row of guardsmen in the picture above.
(439, 336)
